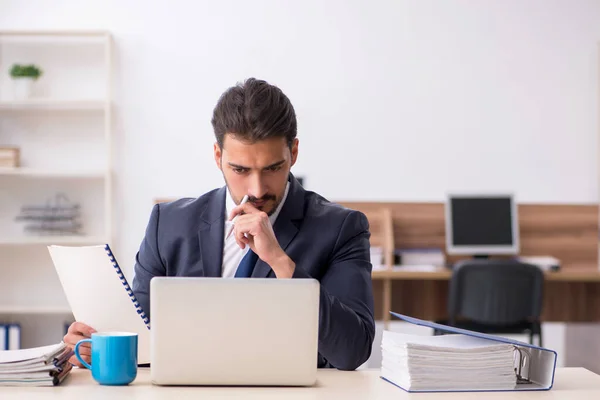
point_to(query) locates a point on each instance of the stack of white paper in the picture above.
(447, 363)
(377, 257)
(39, 366)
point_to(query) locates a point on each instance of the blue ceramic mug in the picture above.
(114, 357)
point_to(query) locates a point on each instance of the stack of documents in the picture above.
(40, 366)
(433, 256)
(377, 257)
(447, 363)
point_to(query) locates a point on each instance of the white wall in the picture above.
(396, 100)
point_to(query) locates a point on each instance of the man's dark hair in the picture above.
(252, 111)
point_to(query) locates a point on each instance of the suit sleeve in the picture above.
(346, 321)
(148, 263)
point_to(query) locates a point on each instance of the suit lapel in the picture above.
(286, 225)
(211, 234)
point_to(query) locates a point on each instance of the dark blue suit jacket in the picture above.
(326, 241)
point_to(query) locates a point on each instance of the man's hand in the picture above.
(253, 228)
(78, 331)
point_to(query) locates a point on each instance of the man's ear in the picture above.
(294, 151)
(218, 154)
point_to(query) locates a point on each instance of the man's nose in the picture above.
(257, 188)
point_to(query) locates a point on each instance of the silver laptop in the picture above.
(215, 331)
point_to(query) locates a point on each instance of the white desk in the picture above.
(570, 383)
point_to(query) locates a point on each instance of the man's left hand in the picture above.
(253, 228)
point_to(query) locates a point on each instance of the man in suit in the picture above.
(282, 231)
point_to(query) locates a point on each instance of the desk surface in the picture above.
(566, 275)
(570, 383)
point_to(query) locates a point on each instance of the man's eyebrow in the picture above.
(277, 164)
(237, 166)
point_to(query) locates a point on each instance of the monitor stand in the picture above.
(481, 256)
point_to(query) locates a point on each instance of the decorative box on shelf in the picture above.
(9, 157)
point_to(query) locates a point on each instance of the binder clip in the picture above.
(523, 360)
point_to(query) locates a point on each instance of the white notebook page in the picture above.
(96, 295)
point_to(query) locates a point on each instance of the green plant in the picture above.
(25, 71)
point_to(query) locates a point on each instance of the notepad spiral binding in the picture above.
(128, 289)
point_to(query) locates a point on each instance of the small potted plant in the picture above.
(23, 77)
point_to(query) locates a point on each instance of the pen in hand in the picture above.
(244, 200)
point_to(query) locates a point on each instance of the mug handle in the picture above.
(76, 350)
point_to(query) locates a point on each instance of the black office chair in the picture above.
(496, 297)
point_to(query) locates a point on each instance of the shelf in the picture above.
(49, 173)
(54, 37)
(408, 275)
(34, 310)
(68, 33)
(74, 106)
(53, 104)
(53, 240)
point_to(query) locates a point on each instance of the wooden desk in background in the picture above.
(567, 232)
(569, 383)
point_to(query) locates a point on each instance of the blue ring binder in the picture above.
(128, 289)
(539, 362)
(6, 337)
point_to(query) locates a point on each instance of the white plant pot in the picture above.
(22, 88)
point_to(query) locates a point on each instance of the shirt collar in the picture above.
(230, 205)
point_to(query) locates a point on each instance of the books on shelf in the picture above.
(9, 157)
(463, 360)
(10, 336)
(39, 366)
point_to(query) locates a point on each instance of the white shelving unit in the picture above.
(35, 310)
(52, 105)
(50, 240)
(48, 173)
(64, 132)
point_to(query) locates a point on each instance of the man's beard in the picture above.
(266, 198)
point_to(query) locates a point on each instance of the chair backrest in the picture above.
(495, 292)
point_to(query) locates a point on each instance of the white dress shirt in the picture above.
(232, 253)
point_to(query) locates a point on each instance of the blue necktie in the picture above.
(246, 266)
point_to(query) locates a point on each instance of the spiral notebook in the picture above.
(99, 294)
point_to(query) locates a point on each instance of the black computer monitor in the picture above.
(482, 225)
